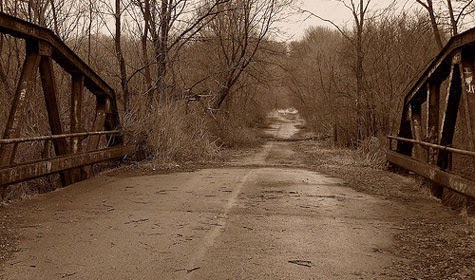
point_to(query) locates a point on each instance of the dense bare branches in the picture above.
(323, 74)
(159, 53)
(145, 50)
(238, 33)
(446, 14)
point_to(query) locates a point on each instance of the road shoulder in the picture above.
(434, 241)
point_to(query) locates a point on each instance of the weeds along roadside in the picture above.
(179, 132)
(175, 134)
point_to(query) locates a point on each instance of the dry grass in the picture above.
(170, 138)
(171, 134)
(371, 152)
(322, 156)
(233, 135)
(458, 201)
(29, 189)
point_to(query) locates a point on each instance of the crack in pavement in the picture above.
(210, 237)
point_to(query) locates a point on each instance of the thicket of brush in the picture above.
(323, 76)
(191, 78)
(204, 75)
(350, 83)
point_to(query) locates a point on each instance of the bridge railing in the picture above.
(432, 172)
(75, 150)
(429, 122)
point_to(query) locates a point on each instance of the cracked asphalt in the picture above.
(267, 217)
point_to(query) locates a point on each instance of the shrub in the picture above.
(236, 131)
(171, 134)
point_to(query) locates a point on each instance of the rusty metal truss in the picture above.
(425, 141)
(71, 158)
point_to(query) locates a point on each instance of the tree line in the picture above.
(350, 81)
(192, 76)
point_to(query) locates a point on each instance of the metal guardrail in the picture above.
(430, 145)
(55, 137)
(433, 173)
(72, 159)
(432, 112)
(26, 171)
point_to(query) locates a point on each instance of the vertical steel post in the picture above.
(102, 108)
(112, 121)
(416, 120)
(50, 92)
(17, 110)
(77, 91)
(405, 131)
(468, 95)
(450, 115)
(432, 124)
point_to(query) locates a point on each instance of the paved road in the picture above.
(263, 220)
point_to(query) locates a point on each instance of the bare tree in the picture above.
(429, 6)
(359, 10)
(236, 35)
(119, 55)
(438, 11)
(171, 24)
(458, 11)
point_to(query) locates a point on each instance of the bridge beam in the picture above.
(22, 93)
(468, 95)
(70, 160)
(50, 92)
(444, 160)
(77, 92)
(416, 127)
(432, 124)
(455, 64)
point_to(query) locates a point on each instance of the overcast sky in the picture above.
(329, 9)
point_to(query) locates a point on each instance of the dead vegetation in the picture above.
(191, 77)
(170, 135)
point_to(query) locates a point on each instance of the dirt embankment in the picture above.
(434, 241)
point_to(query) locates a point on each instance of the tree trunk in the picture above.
(146, 61)
(360, 72)
(120, 57)
(89, 30)
(453, 22)
(162, 50)
(433, 22)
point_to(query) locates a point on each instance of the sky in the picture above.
(330, 9)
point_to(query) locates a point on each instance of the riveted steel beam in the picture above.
(26, 171)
